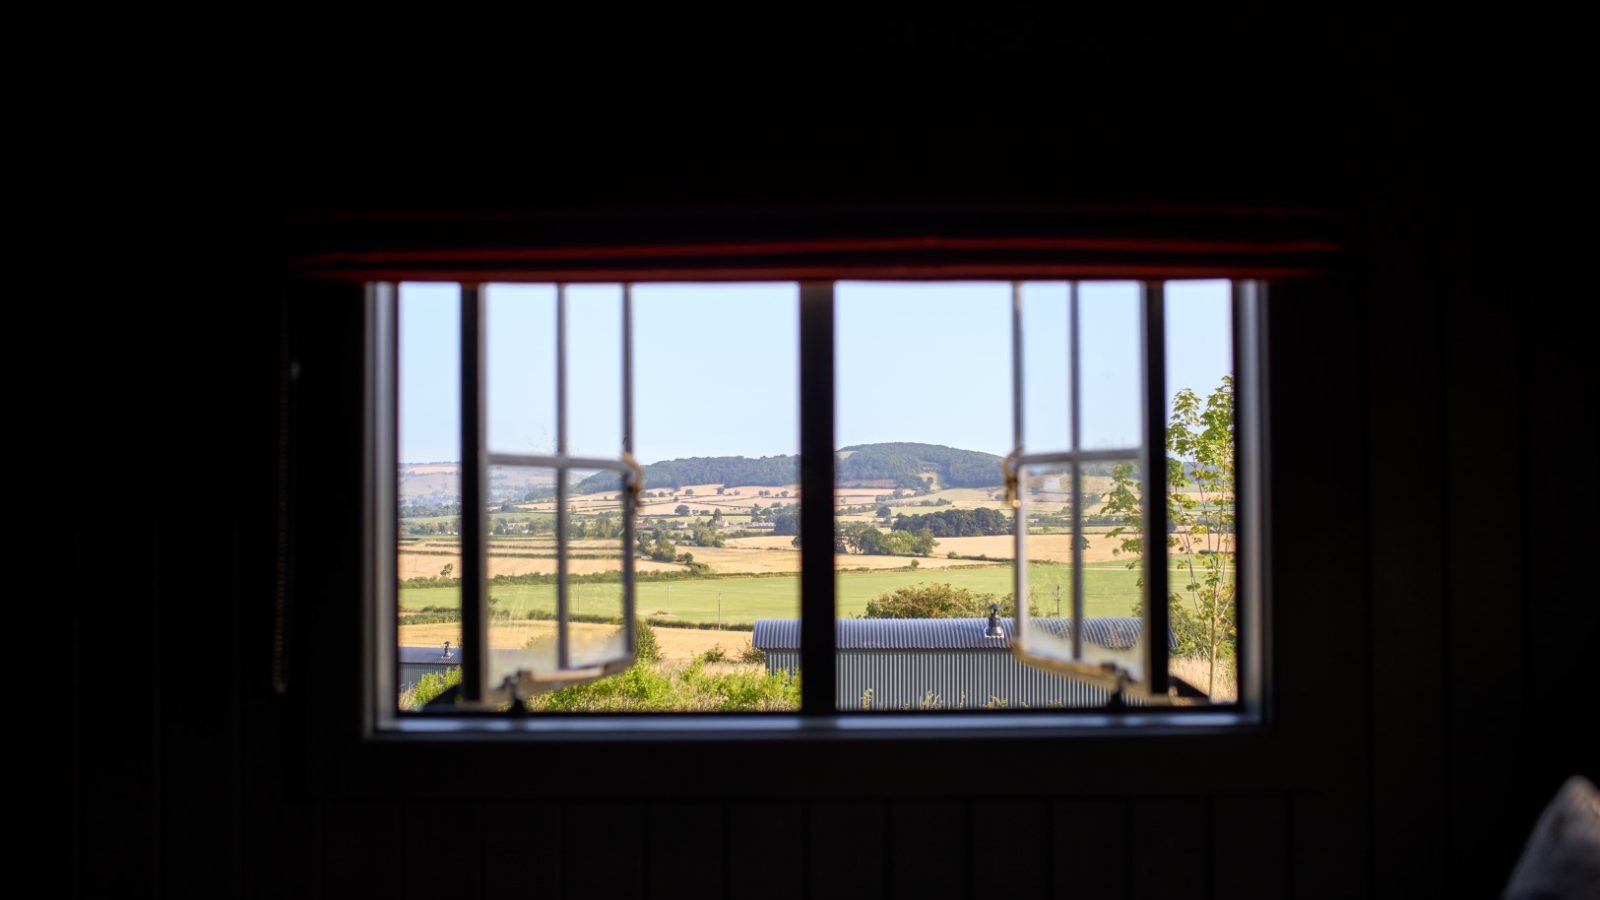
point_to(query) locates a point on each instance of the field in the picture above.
(758, 577)
(1109, 590)
(675, 643)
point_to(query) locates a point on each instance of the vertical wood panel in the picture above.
(1091, 848)
(361, 849)
(1250, 847)
(605, 851)
(1011, 849)
(766, 850)
(924, 858)
(442, 850)
(522, 851)
(119, 764)
(1328, 847)
(845, 850)
(1169, 840)
(686, 850)
(198, 775)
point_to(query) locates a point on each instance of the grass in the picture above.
(1109, 590)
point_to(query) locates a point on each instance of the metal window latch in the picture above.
(1008, 470)
(635, 478)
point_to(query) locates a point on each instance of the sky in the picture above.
(716, 365)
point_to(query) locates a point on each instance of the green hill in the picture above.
(898, 464)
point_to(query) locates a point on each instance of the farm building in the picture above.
(946, 663)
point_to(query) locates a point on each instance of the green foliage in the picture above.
(690, 689)
(646, 648)
(714, 654)
(752, 654)
(956, 522)
(938, 601)
(1200, 517)
(432, 684)
(860, 537)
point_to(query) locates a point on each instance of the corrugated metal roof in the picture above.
(943, 634)
(433, 654)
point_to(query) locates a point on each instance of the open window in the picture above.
(538, 565)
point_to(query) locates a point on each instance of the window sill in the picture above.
(783, 727)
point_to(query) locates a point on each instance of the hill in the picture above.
(896, 464)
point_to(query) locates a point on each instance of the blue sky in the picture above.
(715, 365)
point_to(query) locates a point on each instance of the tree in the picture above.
(682, 510)
(1200, 520)
(936, 601)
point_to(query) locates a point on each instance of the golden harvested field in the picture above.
(676, 643)
(416, 565)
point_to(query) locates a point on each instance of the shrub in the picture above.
(714, 655)
(432, 684)
(644, 642)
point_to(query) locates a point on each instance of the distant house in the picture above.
(947, 663)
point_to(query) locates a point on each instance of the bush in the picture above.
(432, 684)
(937, 601)
(647, 650)
(692, 689)
(714, 655)
(752, 654)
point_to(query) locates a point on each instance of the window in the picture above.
(1060, 392)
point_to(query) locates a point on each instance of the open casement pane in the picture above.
(1094, 576)
(598, 573)
(522, 564)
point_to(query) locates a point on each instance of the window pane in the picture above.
(594, 370)
(1106, 507)
(716, 427)
(520, 365)
(594, 557)
(1200, 436)
(924, 540)
(1110, 319)
(1046, 374)
(429, 489)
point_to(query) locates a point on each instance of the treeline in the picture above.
(675, 473)
(909, 465)
(904, 465)
(956, 522)
(859, 537)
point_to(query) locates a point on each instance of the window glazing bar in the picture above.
(1075, 396)
(1017, 479)
(817, 629)
(1110, 454)
(563, 639)
(1250, 464)
(558, 462)
(1154, 489)
(631, 481)
(474, 500)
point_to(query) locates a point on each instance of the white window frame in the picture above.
(817, 715)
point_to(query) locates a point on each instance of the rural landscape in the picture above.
(923, 531)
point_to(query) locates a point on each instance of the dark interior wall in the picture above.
(1427, 669)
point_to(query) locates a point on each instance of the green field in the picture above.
(1109, 590)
